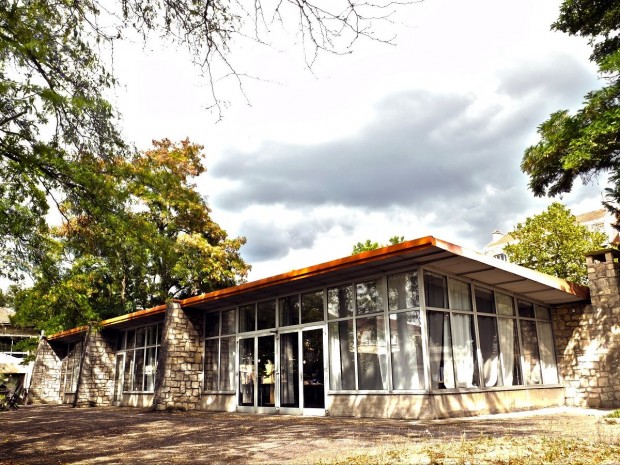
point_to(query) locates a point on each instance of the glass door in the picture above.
(266, 380)
(118, 379)
(289, 373)
(313, 372)
(257, 374)
(302, 378)
(247, 374)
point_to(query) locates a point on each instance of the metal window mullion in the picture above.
(472, 290)
(387, 333)
(424, 329)
(520, 341)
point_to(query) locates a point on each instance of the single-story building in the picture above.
(421, 329)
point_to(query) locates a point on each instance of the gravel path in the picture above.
(61, 434)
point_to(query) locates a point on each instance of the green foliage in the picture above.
(554, 243)
(614, 414)
(586, 143)
(370, 245)
(55, 121)
(364, 247)
(159, 242)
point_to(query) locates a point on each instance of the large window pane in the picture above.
(266, 315)
(140, 337)
(212, 324)
(489, 348)
(150, 368)
(505, 304)
(435, 290)
(460, 295)
(341, 355)
(227, 364)
(440, 350)
(406, 348)
(403, 291)
(531, 358)
(464, 351)
(289, 370)
(371, 353)
(211, 349)
(542, 313)
(138, 370)
(289, 310)
(526, 309)
(485, 301)
(151, 335)
(312, 307)
(369, 297)
(247, 318)
(127, 378)
(131, 339)
(247, 373)
(228, 322)
(340, 302)
(510, 359)
(547, 354)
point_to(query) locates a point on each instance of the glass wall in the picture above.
(70, 367)
(141, 347)
(415, 330)
(357, 336)
(220, 350)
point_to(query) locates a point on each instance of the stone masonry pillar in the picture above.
(179, 370)
(588, 338)
(45, 384)
(96, 382)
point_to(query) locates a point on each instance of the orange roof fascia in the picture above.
(315, 270)
(67, 333)
(110, 322)
(135, 315)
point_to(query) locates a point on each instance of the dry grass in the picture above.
(488, 450)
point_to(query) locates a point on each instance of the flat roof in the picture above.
(429, 251)
(426, 251)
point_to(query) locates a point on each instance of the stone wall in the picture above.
(96, 382)
(588, 338)
(45, 384)
(179, 372)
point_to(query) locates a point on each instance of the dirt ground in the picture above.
(62, 434)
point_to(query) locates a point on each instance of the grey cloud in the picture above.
(420, 145)
(424, 152)
(270, 241)
(559, 76)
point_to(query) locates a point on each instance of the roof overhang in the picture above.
(119, 322)
(427, 251)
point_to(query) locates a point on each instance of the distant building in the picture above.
(12, 372)
(598, 220)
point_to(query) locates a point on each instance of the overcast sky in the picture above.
(421, 138)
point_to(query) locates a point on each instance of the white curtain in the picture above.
(335, 372)
(406, 354)
(489, 349)
(463, 348)
(506, 349)
(547, 354)
(460, 295)
(504, 304)
(448, 363)
(440, 345)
